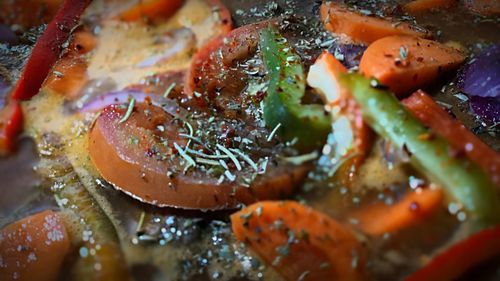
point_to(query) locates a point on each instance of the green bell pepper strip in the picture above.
(282, 107)
(459, 177)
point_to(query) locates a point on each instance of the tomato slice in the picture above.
(144, 155)
(211, 63)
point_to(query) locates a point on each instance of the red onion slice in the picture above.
(481, 76)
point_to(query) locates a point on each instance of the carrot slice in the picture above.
(28, 13)
(152, 9)
(465, 142)
(406, 63)
(363, 29)
(418, 6)
(33, 248)
(299, 242)
(349, 127)
(379, 218)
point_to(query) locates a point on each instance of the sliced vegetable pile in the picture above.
(250, 119)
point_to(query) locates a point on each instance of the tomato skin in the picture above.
(11, 125)
(126, 155)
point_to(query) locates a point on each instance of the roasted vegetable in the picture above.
(338, 19)
(283, 111)
(407, 63)
(464, 141)
(33, 248)
(460, 257)
(48, 48)
(461, 178)
(300, 242)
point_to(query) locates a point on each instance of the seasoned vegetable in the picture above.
(282, 105)
(352, 136)
(418, 6)
(33, 248)
(486, 108)
(348, 54)
(380, 218)
(48, 48)
(460, 257)
(145, 152)
(406, 63)
(151, 9)
(464, 142)
(69, 74)
(432, 154)
(11, 125)
(299, 242)
(481, 76)
(363, 29)
(208, 72)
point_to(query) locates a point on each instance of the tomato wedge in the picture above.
(33, 248)
(218, 55)
(145, 155)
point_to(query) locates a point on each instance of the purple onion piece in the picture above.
(348, 54)
(124, 96)
(486, 108)
(4, 90)
(481, 76)
(7, 35)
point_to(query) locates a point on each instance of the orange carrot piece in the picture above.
(418, 6)
(484, 7)
(363, 29)
(299, 242)
(33, 248)
(380, 218)
(69, 74)
(323, 76)
(406, 63)
(151, 9)
(465, 142)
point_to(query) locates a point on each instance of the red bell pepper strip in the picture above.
(352, 134)
(11, 125)
(432, 115)
(461, 257)
(48, 49)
